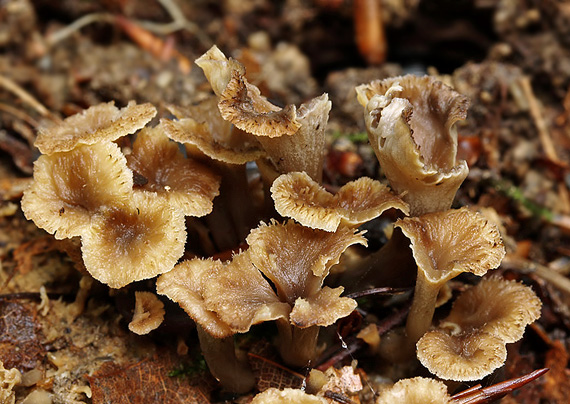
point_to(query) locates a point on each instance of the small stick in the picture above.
(378, 291)
(26, 97)
(557, 280)
(535, 112)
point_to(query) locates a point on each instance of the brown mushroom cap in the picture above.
(69, 187)
(462, 357)
(287, 396)
(448, 243)
(497, 306)
(148, 315)
(186, 284)
(297, 259)
(133, 243)
(419, 390)
(297, 196)
(185, 184)
(410, 121)
(103, 122)
(242, 297)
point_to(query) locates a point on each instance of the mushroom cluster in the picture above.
(128, 210)
(134, 207)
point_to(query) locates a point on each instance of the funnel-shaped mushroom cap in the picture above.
(203, 127)
(148, 315)
(322, 309)
(186, 284)
(297, 196)
(93, 125)
(497, 306)
(242, 297)
(133, 243)
(297, 259)
(463, 357)
(242, 103)
(445, 244)
(69, 187)
(183, 183)
(410, 121)
(287, 396)
(304, 150)
(419, 390)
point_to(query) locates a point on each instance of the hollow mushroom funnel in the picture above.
(445, 244)
(411, 125)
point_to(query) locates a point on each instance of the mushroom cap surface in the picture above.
(182, 182)
(445, 244)
(103, 122)
(133, 243)
(298, 196)
(148, 315)
(462, 357)
(323, 308)
(418, 390)
(69, 187)
(496, 306)
(287, 396)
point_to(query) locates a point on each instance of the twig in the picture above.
(557, 280)
(478, 394)
(26, 97)
(378, 291)
(535, 112)
(76, 25)
(19, 114)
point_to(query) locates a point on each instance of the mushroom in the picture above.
(287, 396)
(148, 315)
(298, 196)
(103, 122)
(185, 184)
(8, 379)
(462, 357)
(445, 244)
(410, 122)
(238, 295)
(69, 187)
(419, 390)
(135, 242)
(240, 102)
(496, 306)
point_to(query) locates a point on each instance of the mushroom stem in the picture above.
(220, 355)
(423, 307)
(297, 346)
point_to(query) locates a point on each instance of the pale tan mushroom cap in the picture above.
(128, 245)
(218, 69)
(242, 297)
(103, 122)
(287, 396)
(410, 121)
(297, 196)
(69, 187)
(497, 306)
(419, 390)
(183, 183)
(185, 285)
(463, 357)
(148, 315)
(295, 258)
(444, 244)
(323, 308)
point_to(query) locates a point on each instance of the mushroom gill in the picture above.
(410, 122)
(418, 390)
